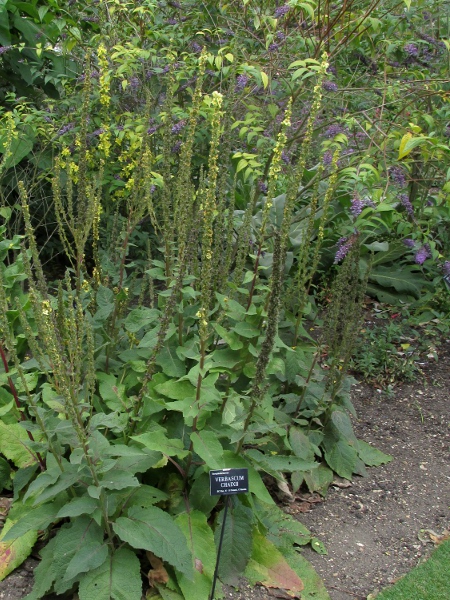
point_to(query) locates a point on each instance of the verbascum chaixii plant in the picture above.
(163, 352)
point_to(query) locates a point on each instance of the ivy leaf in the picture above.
(118, 578)
(153, 529)
(208, 447)
(13, 439)
(237, 542)
(371, 456)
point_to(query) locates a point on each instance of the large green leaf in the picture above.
(200, 541)
(118, 578)
(371, 456)
(402, 280)
(269, 567)
(169, 362)
(141, 317)
(208, 447)
(157, 440)
(314, 588)
(256, 485)
(200, 497)
(176, 390)
(237, 542)
(36, 518)
(89, 556)
(13, 444)
(342, 458)
(153, 529)
(14, 551)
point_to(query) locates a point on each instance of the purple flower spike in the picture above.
(281, 11)
(422, 254)
(409, 243)
(333, 131)
(263, 187)
(397, 176)
(344, 244)
(327, 158)
(446, 268)
(4, 49)
(406, 203)
(65, 129)
(273, 47)
(179, 126)
(241, 82)
(411, 49)
(329, 86)
(357, 205)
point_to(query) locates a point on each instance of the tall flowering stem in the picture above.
(307, 268)
(274, 170)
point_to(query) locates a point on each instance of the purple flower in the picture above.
(446, 268)
(134, 83)
(196, 47)
(406, 203)
(175, 4)
(329, 86)
(332, 69)
(176, 148)
(422, 254)
(152, 189)
(281, 36)
(344, 244)
(65, 129)
(4, 49)
(263, 187)
(285, 157)
(411, 49)
(333, 131)
(357, 205)
(172, 21)
(273, 47)
(397, 176)
(151, 130)
(409, 243)
(241, 82)
(178, 126)
(327, 158)
(447, 131)
(98, 131)
(281, 11)
(91, 19)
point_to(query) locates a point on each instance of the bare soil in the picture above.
(381, 526)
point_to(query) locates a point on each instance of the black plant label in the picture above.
(228, 481)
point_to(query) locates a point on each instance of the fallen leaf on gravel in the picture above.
(428, 535)
(340, 482)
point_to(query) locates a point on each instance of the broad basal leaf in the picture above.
(36, 519)
(314, 588)
(237, 542)
(14, 551)
(342, 458)
(371, 456)
(208, 447)
(118, 578)
(269, 567)
(200, 540)
(153, 529)
(157, 440)
(256, 485)
(13, 444)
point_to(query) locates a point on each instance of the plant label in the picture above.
(228, 481)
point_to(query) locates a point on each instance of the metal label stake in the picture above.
(226, 482)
